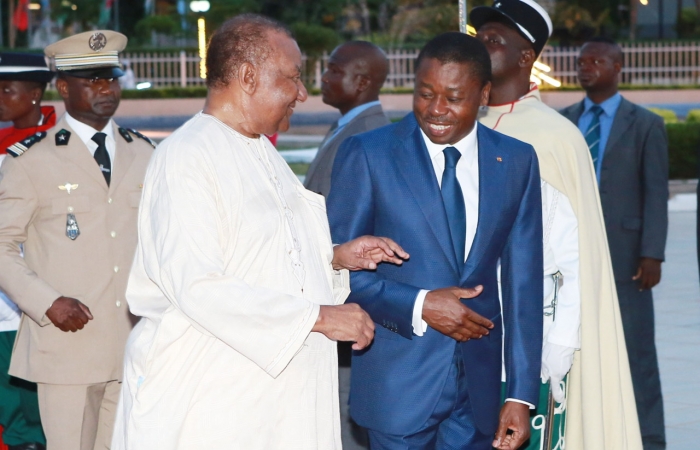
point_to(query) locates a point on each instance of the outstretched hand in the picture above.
(366, 252)
(444, 311)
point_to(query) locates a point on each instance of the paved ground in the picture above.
(677, 302)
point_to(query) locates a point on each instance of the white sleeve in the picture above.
(419, 325)
(564, 244)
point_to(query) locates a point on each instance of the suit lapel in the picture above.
(492, 188)
(624, 117)
(78, 154)
(412, 158)
(123, 157)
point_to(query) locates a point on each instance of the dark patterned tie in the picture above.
(102, 156)
(593, 134)
(453, 199)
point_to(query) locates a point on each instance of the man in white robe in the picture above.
(600, 406)
(234, 272)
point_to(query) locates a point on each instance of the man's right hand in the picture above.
(347, 322)
(68, 314)
(444, 312)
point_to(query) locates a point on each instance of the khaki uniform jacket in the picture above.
(92, 268)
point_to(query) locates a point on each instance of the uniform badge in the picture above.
(68, 187)
(72, 230)
(62, 137)
(97, 41)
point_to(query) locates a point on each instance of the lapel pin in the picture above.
(68, 187)
(499, 159)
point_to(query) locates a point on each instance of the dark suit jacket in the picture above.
(633, 186)
(318, 178)
(384, 184)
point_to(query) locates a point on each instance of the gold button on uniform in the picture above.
(70, 209)
(119, 303)
(116, 269)
(109, 201)
(113, 234)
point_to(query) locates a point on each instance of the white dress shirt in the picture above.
(86, 132)
(468, 177)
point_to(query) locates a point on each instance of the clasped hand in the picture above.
(69, 314)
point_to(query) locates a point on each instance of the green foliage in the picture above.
(315, 39)
(668, 115)
(693, 116)
(159, 24)
(683, 146)
(688, 23)
(83, 13)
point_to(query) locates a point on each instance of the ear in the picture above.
(62, 88)
(248, 77)
(36, 94)
(485, 93)
(617, 67)
(363, 83)
(527, 58)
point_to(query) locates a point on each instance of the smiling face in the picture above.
(598, 66)
(446, 100)
(92, 101)
(16, 99)
(279, 85)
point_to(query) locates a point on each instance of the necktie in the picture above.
(102, 156)
(454, 202)
(593, 134)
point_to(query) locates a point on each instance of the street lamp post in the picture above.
(200, 7)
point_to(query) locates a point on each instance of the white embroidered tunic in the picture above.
(234, 259)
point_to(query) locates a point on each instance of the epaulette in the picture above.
(22, 146)
(127, 137)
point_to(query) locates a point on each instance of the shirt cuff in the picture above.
(520, 401)
(419, 325)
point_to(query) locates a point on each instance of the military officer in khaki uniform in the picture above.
(70, 196)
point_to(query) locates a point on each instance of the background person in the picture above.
(70, 196)
(351, 83)
(629, 149)
(237, 282)
(23, 79)
(431, 379)
(575, 244)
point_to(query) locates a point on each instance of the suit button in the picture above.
(119, 303)
(116, 269)
(109, 201)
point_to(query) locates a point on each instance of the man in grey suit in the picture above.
(630, 154)
(356, 72)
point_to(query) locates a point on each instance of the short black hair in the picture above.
(614, 46)
(239, 40)
(460, 48)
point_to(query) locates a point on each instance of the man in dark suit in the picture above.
(460, 197)
(356, 72)
(629, 149)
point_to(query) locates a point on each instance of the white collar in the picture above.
(86, 132)
(467, 146)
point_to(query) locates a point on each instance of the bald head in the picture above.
(355, 74)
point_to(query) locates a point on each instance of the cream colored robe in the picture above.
(601, 413)
(233, 261)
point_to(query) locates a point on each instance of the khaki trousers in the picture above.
(78, 417)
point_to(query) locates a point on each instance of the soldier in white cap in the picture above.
(70, 196)
(583, 332)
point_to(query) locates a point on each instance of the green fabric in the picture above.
(19, 407)
(537, 421)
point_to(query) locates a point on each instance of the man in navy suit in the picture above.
(459, 197)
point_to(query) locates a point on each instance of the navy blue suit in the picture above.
(384, 184)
